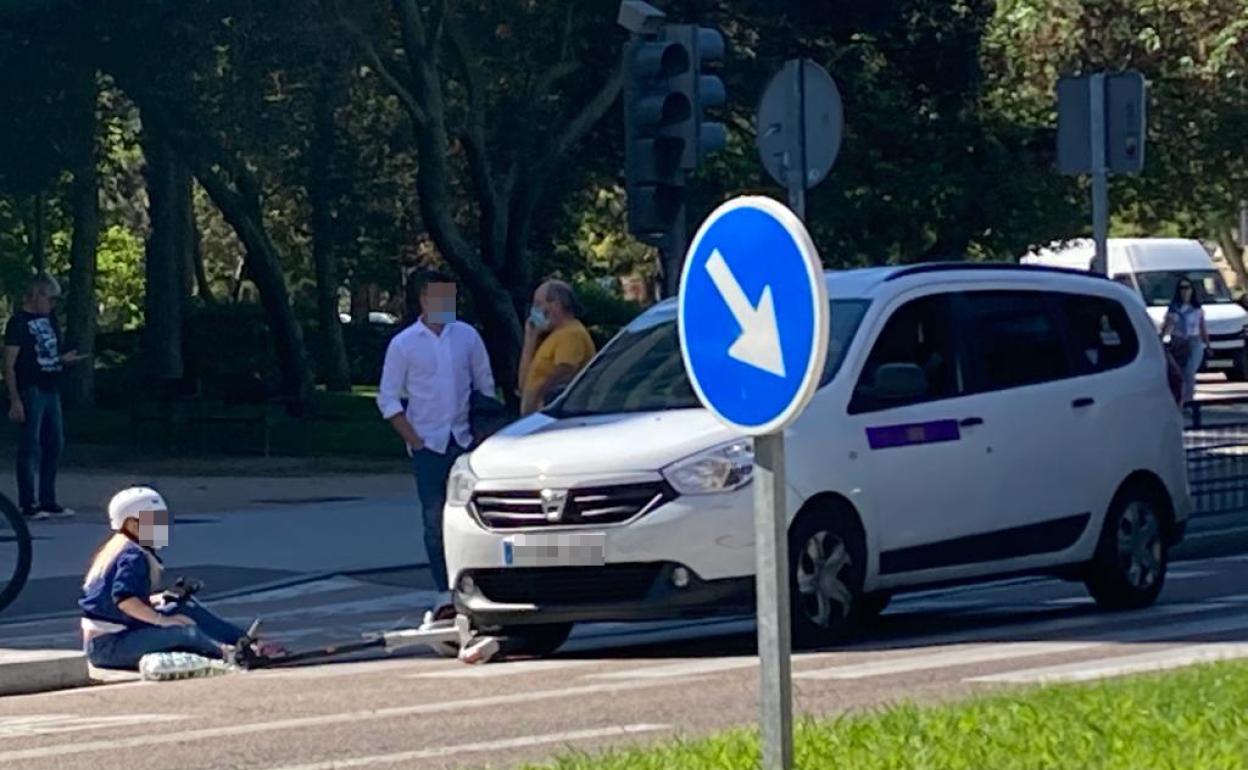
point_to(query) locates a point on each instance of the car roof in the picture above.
(865, 282)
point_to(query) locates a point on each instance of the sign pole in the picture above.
(771, 548)
(1100, 174)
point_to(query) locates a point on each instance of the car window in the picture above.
(1015, 340)
(1101, 333)
(641, 369)
(920, 332)
(1157, 287)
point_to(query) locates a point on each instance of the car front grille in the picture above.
(586, 506)
(567, 585)
(1232, 337)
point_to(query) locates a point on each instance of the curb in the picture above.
(23, 672)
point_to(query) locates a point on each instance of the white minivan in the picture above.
(973, 421)
(1153, 267)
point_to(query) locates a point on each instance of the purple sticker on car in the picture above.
(892, 436)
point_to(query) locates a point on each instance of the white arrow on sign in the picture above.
(759, 343)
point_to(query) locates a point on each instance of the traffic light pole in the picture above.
(674, 252)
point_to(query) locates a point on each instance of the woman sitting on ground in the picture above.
(122, 619)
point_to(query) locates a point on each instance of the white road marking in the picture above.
(681, 669)
(515, 668)
(321, 720)
(471, 748)
(1188, 574)
(53, 724)
(1087, 670)
(943, 659)
(999, 651)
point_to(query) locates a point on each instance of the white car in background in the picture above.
(973, 421)
(1152, 267)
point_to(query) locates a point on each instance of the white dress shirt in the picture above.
(437, 373)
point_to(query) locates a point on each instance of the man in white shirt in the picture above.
(437, 362)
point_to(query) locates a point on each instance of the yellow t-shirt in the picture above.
(569, 344)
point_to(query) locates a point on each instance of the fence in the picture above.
(1216, 440)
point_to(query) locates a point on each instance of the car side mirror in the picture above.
(900, 382)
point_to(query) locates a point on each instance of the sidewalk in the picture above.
(233, 533)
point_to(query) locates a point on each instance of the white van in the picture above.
(1153, 267)
(972, 422)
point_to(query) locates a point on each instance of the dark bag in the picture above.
(486, 416)
(1180, 350)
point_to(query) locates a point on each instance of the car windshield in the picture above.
(1158, 286)
(641, 369)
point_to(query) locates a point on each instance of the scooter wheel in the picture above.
(446, 649)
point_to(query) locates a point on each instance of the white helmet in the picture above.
(129, 503)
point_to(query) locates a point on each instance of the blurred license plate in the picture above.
(562, 550)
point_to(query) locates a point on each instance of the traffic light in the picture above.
(704, 47)
(657, 118)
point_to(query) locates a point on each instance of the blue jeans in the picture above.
(123, 649)
(432, 471)
(39, 446)
(1190, 371)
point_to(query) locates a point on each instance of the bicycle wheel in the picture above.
(15, 552)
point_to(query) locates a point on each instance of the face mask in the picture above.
(539, 319)
(441, 316)
(155, 536)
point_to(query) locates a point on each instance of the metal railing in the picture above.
(1216, 440)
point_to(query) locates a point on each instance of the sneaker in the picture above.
(56, 511)
(443, 607)
(169, 666)
(31, 513)
(481, 650)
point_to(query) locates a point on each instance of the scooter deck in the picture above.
(439, 633)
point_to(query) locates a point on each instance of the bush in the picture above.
(604, 313)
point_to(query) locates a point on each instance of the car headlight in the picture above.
(461, 482)
(722, 469)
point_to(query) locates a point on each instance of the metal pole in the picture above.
(1100, 175)
(771, 553)
(675, 256)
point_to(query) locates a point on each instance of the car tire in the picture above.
(827, 559)
(537, 641)
(1129, 568)
(873, 604)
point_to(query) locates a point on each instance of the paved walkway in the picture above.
(235, 533)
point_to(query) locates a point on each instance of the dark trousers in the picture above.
(432, 471)
(39, 445)
(124, 649)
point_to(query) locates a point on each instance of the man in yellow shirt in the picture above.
(556, 344)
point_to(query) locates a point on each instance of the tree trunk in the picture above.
(85, 202)
(264, 267)
(203, 286)
(1234, 255)
(334, 364)
(38, 232)
(163, 269)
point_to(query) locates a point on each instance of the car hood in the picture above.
(601, 444)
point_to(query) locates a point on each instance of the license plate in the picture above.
(562, 550)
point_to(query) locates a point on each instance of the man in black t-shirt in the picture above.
(32, 370)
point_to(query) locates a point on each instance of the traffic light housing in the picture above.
(704, 90)
(655, 120)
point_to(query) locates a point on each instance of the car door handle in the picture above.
(971, 422)
(1080, 403)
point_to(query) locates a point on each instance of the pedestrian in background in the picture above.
(33, 364)
(436, 362)
(1189, 339)
(556, 344)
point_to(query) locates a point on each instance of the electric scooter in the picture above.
(445, 637)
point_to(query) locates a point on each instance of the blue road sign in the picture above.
(753, 315)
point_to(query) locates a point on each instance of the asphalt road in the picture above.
(611, 684)
(608, 688)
